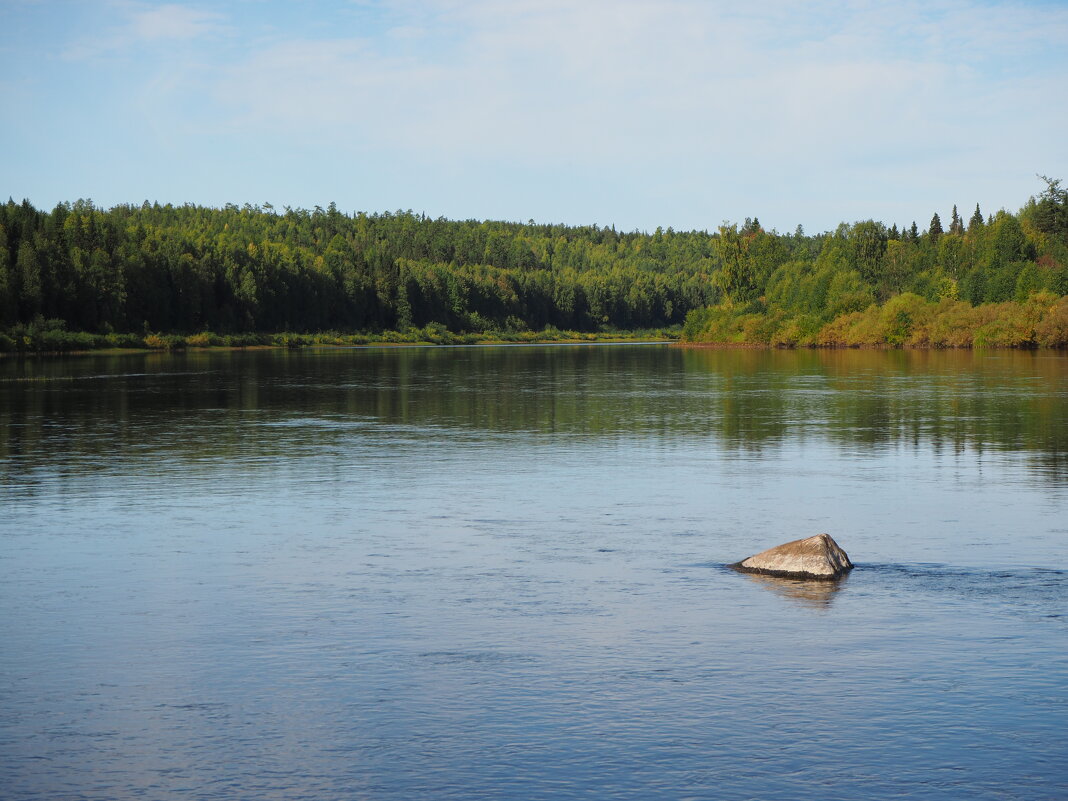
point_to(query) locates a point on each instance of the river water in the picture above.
(498, 573)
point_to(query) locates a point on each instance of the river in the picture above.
(499, 572)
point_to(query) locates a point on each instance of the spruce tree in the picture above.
(1051, 208)
(8, 306)
(29, 279)
(956, 225)
(935, 230)
(976, 222)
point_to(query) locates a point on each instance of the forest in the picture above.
(168, 276)
(999, 281)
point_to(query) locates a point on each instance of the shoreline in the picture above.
(672, 343)
(591, 339)
(866, 346)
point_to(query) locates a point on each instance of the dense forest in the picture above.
(998, 281)
(135, 273)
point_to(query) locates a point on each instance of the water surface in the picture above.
(498, 573)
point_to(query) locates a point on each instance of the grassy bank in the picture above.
(51, 336)
(906, 320)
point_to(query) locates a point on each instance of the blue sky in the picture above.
(682, 113)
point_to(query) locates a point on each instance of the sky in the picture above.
(632, 113)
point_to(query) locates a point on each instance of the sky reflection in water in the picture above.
(499, 573)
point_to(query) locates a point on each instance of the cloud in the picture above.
(140, 26)
(171, 21)
(547, 77)
(723, 107)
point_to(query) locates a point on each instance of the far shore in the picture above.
(865, 346)
(247, 342)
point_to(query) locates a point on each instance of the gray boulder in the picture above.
(817, 557)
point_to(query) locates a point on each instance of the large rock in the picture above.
(816, 557)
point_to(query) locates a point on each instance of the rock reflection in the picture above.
(807, 592)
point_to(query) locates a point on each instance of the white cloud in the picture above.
(555, 74)
(720, 106)
(172, 21)
(715, 98)
(139, 25)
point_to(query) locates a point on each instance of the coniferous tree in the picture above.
(8, 306)
(956, 225)
(1051, 208)
(29, 280)
(976, 222)
(935, 231)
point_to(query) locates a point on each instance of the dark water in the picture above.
(498, 573)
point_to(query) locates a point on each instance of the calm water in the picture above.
(497, 573)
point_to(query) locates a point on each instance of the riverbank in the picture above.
(44, 339)
(906, 320)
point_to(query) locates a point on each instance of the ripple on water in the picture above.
(500, 574)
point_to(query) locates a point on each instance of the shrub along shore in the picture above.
(51, 336)
(906, 320)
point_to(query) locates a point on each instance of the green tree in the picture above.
(935, 229)
(956, 225)
(28, 270)
(8, 288)
(899, 264)
(1005, 241)
(868, 241)
(951, 255)
(735, 276)
(1051, 209)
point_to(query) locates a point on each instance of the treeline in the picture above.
(188, 270)
(991, 281)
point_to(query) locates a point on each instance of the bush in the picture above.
(801, 330)
(243, 340)
(1004, 333)
(952, 325)
(287, 340)
(696, 323)
(204, 339)
(57, 340)
(900, 317)
(1052, 330)
(114, 340)
(164, 342)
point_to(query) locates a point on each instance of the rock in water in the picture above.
(816, 557)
